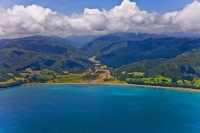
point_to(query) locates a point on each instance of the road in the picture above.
(92, 59)
(105, 75)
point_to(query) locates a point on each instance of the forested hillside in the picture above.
(152, 59)
(39, 53)
(119, 54)
(94, 47)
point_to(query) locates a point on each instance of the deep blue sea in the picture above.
(98, 109)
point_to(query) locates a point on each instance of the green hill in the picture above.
(41, 52)
(185, 66)
(93, 48)
(137, 36)
(119, 54)
(82, 39)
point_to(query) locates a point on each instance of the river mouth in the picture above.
(94, 108)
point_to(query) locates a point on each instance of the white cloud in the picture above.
(168, 17)
(1, 31)
(34, 19)
(129, 17)
(188, 19)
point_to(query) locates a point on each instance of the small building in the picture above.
(97, 64)
(25, 74)
(89, 70)
(36, 73)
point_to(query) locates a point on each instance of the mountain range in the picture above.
(82, 39)
(153, 54)
(152, 48)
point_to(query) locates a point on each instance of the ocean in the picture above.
(98, 109)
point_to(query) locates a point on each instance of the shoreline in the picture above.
(134, 85)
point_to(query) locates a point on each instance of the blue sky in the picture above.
(70, 6)
(144, 16)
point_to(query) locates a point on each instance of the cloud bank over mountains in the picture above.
(34, 19)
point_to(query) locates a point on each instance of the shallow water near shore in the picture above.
(98, 109)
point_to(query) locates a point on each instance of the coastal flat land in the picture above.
(99, 75)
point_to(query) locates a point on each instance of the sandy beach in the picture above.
(134, 85)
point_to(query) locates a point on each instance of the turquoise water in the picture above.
(98, 109)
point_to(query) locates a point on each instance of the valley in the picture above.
(146, 59)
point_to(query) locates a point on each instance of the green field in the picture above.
(12, 80)
(137, 74)
(71, 78)
(197, 82)
(136, 77)
(157, 79)
(139, 78)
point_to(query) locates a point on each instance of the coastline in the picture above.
(134, 85)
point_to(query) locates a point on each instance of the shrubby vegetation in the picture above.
(39, 53)
(4, 77)
(94, 47)
(8, 80)
(154, 61)
(8, 85)
(118, 54)
(182, 70)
